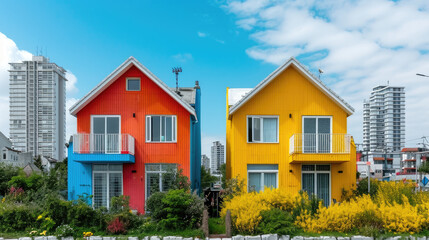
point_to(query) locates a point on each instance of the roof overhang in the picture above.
(306, 73)
(131, 61)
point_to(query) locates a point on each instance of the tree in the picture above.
(424, 167)
(223, 172)
(206, 178)
(6, 174)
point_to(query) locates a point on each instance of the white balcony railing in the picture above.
(319, 143)
(103, 143)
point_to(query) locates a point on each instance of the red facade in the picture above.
(133, 106)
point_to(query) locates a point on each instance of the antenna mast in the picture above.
(177, 70)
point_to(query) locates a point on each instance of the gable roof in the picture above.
(112, 77)
(306, 73)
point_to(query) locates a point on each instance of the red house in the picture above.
(132, 129)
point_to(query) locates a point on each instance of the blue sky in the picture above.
(358, 44)
(91, 39)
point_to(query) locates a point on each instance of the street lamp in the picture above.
(421, 75)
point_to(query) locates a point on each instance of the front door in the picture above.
(316, 179)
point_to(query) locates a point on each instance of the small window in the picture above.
(133, 84)
(261, 176)
(262, 129)
(161, 128)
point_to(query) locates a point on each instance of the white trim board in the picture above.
(112, 77)
(313, 79)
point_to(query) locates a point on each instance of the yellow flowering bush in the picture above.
(395, 207)
(87, 234)
(246, 208)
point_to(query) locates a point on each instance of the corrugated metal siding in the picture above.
(151, 100)
(289, 93)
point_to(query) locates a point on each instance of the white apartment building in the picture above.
(37, 91)
(384, 120)
(218, 157)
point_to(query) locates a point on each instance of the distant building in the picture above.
(205, 161)
(384, 120)
(37, 107)
(218, 157)
(12, 156)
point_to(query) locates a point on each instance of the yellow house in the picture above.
(290, 132)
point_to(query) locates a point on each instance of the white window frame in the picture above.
(133, 78)
(261, 117)
(159, 172)
(317, 130)
(108, 181)
(149, 133)
(262, 178)
(105, 130)
(315, 172)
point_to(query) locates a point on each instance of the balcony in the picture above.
(103, 148)
(319, 147)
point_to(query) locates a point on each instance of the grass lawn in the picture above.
(216, 226)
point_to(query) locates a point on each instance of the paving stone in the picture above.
(52, 238)
(40, 238)
(67, 238)
(310, 238)
(269, 237)
(133, 238)
(155, 238)
(327, 238)
(95, 238)
(421, 238)
(25, 238)
(284, 237)
(238, 237)
(361, 238)
(345, 238)
(393, 238)
(223, 239)
(258, 237)
(192, 239)
(298, 238)
(146, 238)
(214, 238)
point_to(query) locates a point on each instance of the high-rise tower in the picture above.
(37, 91)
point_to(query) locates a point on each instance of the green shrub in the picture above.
(362, 187)
(6, 174)
(120, 204)
(83, 215)
(176, 209)
(17, 217)
(58, 210)
(276, 221)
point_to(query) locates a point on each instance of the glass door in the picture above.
(316, 180)
(316, 134)
(106, 135)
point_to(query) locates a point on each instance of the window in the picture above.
(160, 128)
(262, 129)
(4, 155)
(133, 84)
(107, 179)
(317, 134)
(159, 177)
(106, 134)
(316, 180)
(260, 176)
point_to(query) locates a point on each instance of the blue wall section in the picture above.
(196, 145)
(79, 176)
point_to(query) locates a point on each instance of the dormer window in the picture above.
(133, 84)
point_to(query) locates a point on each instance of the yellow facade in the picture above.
(290, 96)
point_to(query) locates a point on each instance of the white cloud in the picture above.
(365, 43)
(71, 83)
(183, 57)
(201, 34)
(9, 52)
(71, 121)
